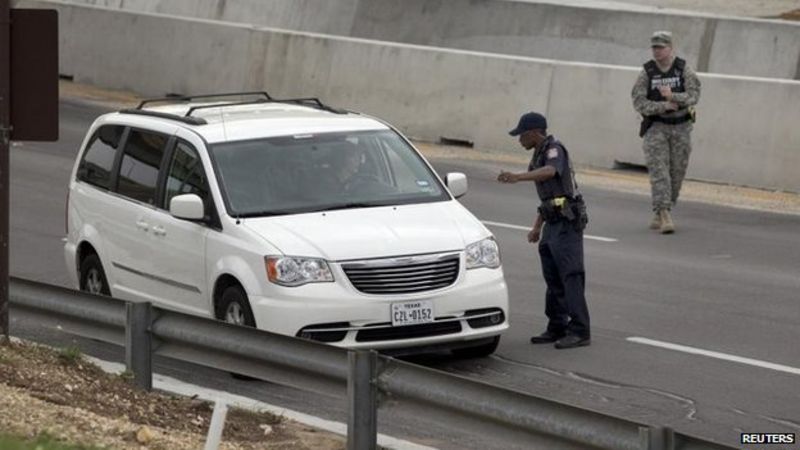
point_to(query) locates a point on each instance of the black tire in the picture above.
(478, 351)
(92, 276)
(234, 308)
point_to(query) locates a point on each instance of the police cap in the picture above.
(529, 121)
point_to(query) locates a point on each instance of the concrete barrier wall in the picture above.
(747, 133)
(749, 47)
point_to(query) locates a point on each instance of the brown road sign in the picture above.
(34, 75)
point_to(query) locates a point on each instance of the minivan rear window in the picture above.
(98, 159)
(138, 173)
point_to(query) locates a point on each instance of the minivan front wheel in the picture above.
(235, 308)
(93, 277)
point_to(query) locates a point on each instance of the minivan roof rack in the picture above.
(189, 98)
(189, 119)
(313, 102)
(305, 101)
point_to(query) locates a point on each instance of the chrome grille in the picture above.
(403, 275)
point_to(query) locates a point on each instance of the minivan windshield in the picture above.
(322, 172)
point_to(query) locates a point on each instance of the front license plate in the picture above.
(411, 313)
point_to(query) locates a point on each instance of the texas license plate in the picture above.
(412, 313)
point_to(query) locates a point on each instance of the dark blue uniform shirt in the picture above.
(552, 153)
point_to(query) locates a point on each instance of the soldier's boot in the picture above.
(655, 224)
(667, 226)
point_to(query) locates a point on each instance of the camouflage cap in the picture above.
(661, 39)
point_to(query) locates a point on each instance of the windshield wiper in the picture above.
(285, 212)
(266, 213)
(352, 205)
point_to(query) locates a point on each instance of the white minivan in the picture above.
(286, 215)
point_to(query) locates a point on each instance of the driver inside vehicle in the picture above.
(345, 169)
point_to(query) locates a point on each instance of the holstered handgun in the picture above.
(692, 114)
(567, 212)
(579, 207)
(647, 122)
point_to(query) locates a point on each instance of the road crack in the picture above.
(685, 403)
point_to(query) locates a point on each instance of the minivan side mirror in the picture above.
(457, 183)
(187, 206)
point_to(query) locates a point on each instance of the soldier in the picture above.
(664, 94)
(561, 247)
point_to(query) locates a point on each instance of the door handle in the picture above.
(142, 225)
(159, 230)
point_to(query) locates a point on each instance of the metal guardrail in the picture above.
(367, 379)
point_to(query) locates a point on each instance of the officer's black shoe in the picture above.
(572, 341)
(548, 337)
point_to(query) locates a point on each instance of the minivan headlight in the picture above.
(483, 253)
(294, 271)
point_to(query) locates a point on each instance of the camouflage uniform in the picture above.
(666, 147)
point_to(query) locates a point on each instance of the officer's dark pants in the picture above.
(561, 250)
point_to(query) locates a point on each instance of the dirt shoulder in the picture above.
(59, 394)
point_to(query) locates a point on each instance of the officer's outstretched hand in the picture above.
(507, 177)
(534, 235)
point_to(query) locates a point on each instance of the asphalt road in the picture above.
(724, 288)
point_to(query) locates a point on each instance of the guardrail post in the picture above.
(138, 356)
(657, 438)
(217, 425)
(362, 395)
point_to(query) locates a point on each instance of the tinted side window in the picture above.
(186, 175)
(138, 173)
(98, 159)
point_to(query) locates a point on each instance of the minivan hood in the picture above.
(372, 232)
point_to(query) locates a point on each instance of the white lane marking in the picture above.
(176, 386)
(518, 227)
(717, 355)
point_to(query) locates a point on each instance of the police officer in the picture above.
(563, 214)
(664, 94)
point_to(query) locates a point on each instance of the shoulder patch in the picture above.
(552, 153)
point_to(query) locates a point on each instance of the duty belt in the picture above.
(557, 209)
(672, 120)
(565, 209)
